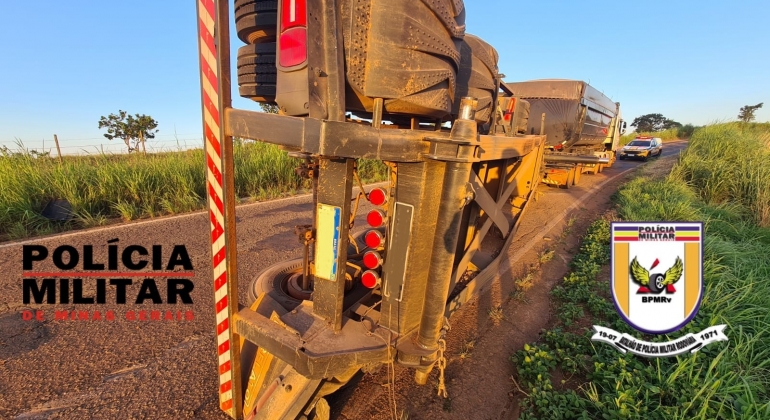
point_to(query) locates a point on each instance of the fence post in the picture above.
(58, 149)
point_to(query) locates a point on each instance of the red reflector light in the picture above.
(378, 196)
(373, 239)
(372, 260)
(293, 47)
(511, 107)
(370, 279)
(293, 14)
(375, 218)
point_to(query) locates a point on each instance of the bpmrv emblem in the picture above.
(657, 274)
(657, 286)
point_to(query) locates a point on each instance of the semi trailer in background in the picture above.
(580, 123)
(391, 80)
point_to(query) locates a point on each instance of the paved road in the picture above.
(82, 369)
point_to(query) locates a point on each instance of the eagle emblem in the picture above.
(656, 283)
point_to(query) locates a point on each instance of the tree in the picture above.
(653, 122)
(129, 128)
(268, 108)
(747, 112)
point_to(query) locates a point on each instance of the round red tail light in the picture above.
(370, 279)
(373, 239)
(375, 218)
(372, 260)
(378, 196)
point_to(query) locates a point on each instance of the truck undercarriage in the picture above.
(458, 185)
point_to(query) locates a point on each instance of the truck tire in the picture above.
(257, 72)
(256, 20)
(419, 77)
(476, 77)
(273, 280)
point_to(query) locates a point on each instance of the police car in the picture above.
(642, 148)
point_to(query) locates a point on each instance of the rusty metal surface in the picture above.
(520, 191)
(502, 147)
(419, 186)
(328, 138)
(335, 183)
(305, 341)
(571, 158)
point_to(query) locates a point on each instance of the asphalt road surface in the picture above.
(122, 368)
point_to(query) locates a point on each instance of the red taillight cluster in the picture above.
(374, 239)
(292, 43)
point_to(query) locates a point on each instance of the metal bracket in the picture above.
(492, 208)
(452, 150)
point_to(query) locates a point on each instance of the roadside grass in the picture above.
(103, 187)
(684, 132)
(723, 380)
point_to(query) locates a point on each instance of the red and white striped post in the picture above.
(213, 33)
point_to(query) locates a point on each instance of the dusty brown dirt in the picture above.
(488, 330)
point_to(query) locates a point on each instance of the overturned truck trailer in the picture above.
(397, 81)
(582, 126)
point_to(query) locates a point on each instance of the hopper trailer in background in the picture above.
(582, 126)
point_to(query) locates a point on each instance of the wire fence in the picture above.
(101, 146)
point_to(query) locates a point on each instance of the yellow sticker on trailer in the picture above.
(327, 241)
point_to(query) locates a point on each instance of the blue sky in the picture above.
(67, 63)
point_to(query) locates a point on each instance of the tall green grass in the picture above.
(683, 132)
(730, 163)
(725, 380)
(101, 187)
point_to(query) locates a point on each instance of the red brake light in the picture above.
(292, 44)
(293, 14)
(372, 260)
(378, 196)
(293, 47)
(373, 239)
(370, 279)
(375, 218)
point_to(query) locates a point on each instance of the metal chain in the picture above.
(441, 366)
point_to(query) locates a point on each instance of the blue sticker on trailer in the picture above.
(327, 241)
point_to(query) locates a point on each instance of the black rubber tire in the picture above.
(653, 284)
(256, 20)
(622, 157)
(257, 72)
(270, 282)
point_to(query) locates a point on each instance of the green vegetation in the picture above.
(683, 132)
(746, 113)
(654, 122)
(134, 129)
(724, 380)
(101, 187)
